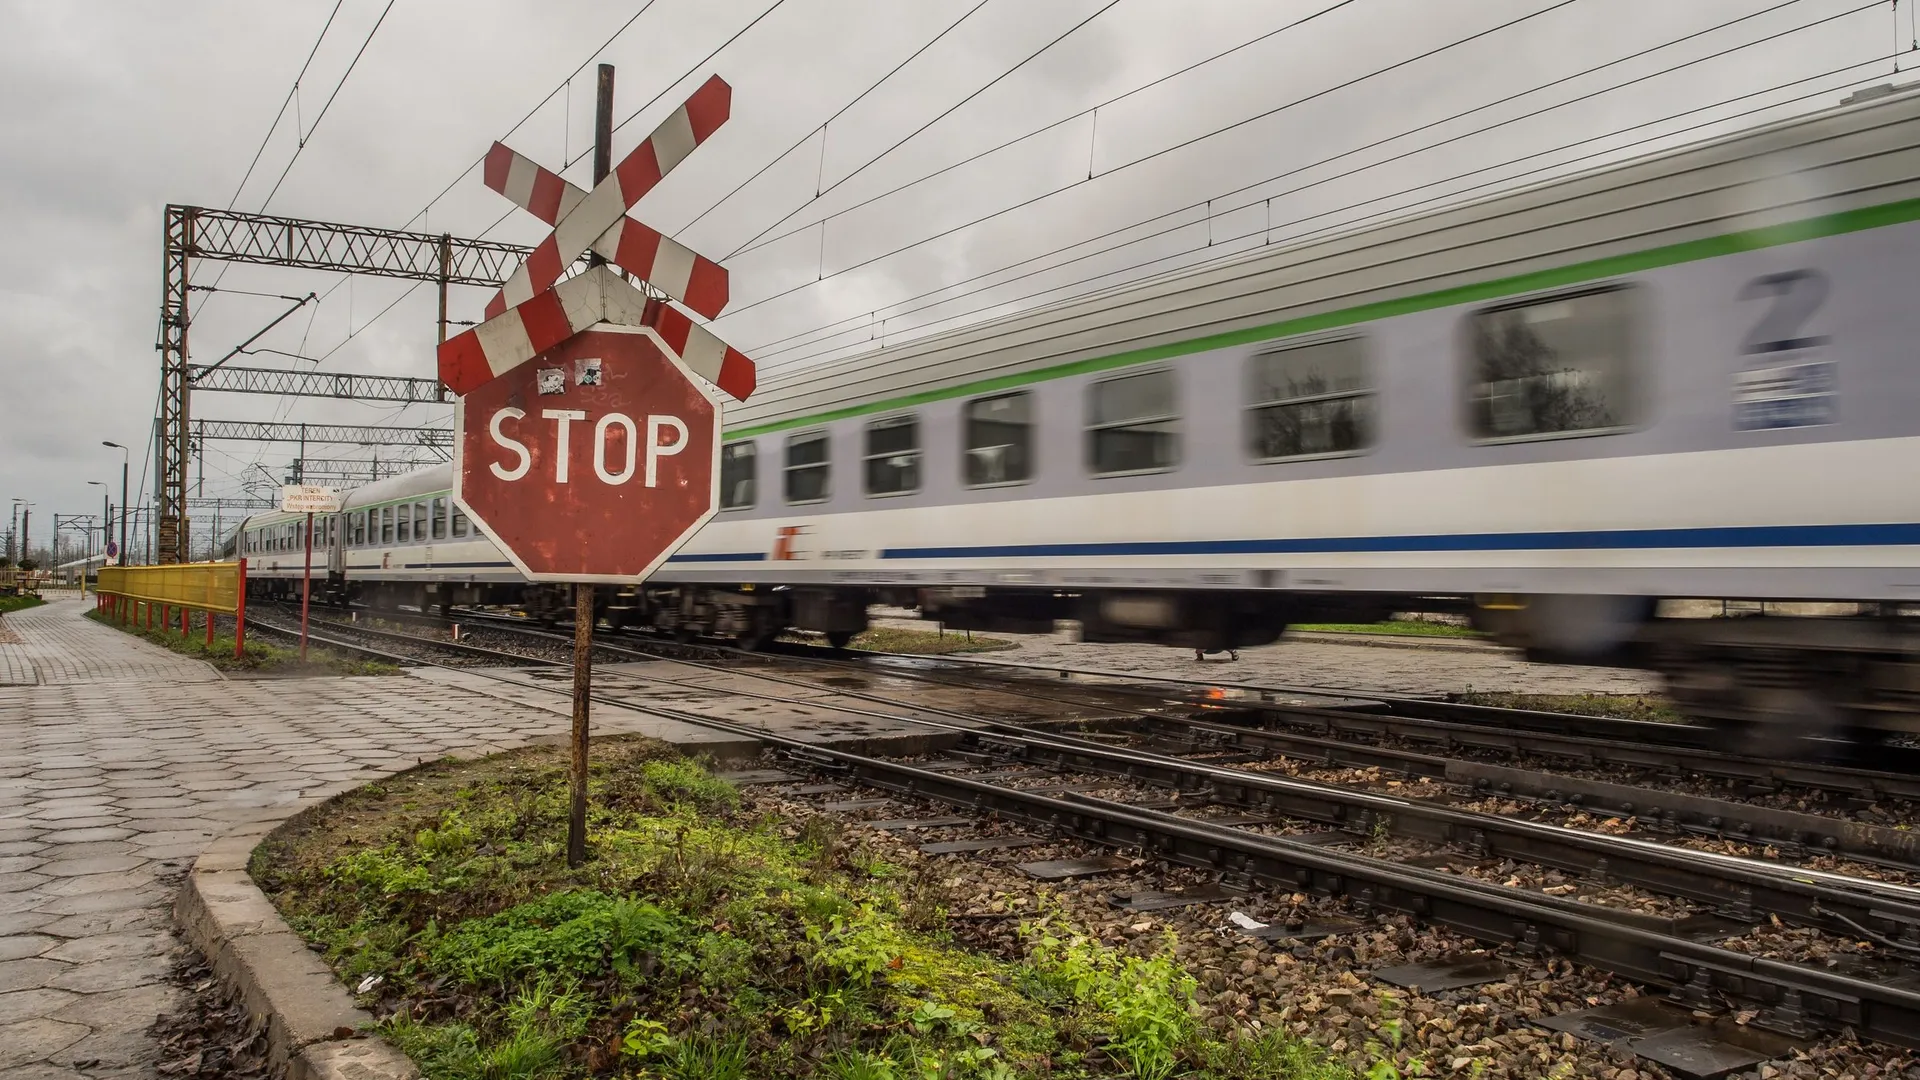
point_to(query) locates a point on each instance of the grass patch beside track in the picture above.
(1618, 706)
(920, 642)
(261, 658)
(1394, 628)
(19, 603)
(703, 941)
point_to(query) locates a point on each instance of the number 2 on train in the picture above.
(1793, 297)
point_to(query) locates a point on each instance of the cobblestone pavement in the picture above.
(119, 762)
(1362, 666)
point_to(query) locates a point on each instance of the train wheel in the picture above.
(839, 639)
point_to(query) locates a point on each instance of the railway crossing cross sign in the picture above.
(588, 450)
(593, 463)
(535, 311)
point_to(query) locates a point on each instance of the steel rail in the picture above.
(1792, 999)
(1744, 889)
(1798, 835)
(1902, 782)
(1637, 743)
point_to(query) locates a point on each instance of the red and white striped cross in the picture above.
(530, 315)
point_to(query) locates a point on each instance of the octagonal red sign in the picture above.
(593, 461)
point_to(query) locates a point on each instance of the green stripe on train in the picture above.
(1847, 221)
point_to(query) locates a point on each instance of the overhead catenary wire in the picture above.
(838, 113)
(949, 111)
(308, 134)
(1093, 111)
(1071, 185)
(1396, 65)
(772, 348)
(1318, 232)
(278, 116)
(541, 104)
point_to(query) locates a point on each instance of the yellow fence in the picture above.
(201, 586)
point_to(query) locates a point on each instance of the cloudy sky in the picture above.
(890, 168)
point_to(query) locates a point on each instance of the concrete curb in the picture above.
(314, 1030)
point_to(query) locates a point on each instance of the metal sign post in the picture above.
(310, 500)
(589, 439)
(582, 591)
(306, 589)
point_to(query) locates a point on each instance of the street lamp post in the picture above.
(106, 519)
(124, 457)
(26, 531)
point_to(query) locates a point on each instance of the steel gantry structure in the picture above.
(196, 232)
(323, 384)
(256, 431)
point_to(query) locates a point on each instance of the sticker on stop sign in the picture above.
(593, 461)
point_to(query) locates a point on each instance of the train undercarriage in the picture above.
(1764, 678)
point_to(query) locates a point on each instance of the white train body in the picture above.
(1693, 375)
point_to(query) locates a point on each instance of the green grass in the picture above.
(919, 642)
(1393, 628)
(927, 643)
(259, 658)
(705, 942)
(19, 603)
(1617, 706)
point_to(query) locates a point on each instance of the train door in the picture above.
(336, 540)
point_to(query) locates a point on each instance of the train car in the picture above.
(399, 541)
(1684, 376)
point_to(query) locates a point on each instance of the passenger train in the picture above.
(1695, 374)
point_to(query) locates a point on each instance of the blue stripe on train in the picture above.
(1737, 536)
(1733, 536)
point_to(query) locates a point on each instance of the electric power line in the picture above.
(1321, 231)
(288, 100)
(762, 353)
(756, 243)
(1094, 110)
(949, 111)
(1078, 183)
(308, 134)
(838, 113)
(541, 104)
(1158, 153)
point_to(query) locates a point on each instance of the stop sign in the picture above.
(593, 461)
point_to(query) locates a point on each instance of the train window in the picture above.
(440, 518)
(1311, 400)
(359, 528)
(737, 467)
(420, 523)
(386, 525)
(999, 434)
(893, 456)
(1551, 366)
(460, 526)
(807, 468)
(1132, 425)
(402, 525)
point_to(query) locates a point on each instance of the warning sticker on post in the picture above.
(309, 499)
(1785, 395)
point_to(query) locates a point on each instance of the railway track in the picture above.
(1574, 774)
(1297, 834)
